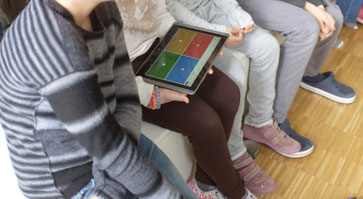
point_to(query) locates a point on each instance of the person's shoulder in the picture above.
(109, 13)
(42, 20)
(33, 26)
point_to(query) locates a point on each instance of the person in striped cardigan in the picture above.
(69, 105)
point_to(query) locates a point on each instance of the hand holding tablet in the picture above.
(183, 58)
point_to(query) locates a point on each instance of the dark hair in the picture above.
(12, 8)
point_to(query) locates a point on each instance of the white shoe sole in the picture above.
(327, 95)
(299, 154)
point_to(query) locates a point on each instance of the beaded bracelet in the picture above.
(157, 97)
(153, 102)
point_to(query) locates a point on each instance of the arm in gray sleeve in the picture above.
(183, 15)
(298, 3)
(79, 104)
(317, 2)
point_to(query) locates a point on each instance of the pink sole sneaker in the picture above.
(273, 137)
(254, 178)
(212, 194)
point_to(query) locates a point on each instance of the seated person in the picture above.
(263, 50)
(206, 118)
(69, 104)
(311, 28)
(350, 11)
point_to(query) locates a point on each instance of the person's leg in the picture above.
(165, 166)
(263, 50)
(257, 182)
(86, 192)
(323, 48)
(350, 9)
(207, 121)
(233, 69)
(325, 84)
(301, 31)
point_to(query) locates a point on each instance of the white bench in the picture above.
(8, 183)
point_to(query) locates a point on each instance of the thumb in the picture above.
(182, 98)
(235, 31)
(179, 97)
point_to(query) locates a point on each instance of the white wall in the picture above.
(8, 184)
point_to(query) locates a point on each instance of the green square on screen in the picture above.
(163, 65)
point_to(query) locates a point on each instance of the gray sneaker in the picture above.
(338, 43)
(351, 26)
(252, 148)
(331, 88)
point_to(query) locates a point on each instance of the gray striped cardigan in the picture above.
(68, 102)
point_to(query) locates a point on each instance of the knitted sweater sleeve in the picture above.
(145, 91)
(236, 15)
(79, 104)
(183, 15)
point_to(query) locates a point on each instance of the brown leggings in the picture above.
(207, 121)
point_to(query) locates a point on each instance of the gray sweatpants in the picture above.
(301, 53)
(263, 49)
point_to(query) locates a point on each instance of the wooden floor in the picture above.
(335, 169)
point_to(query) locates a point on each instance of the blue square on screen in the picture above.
(182, 69)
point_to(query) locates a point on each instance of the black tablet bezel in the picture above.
(163, 44)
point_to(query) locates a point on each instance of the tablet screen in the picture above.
(181, 60)
(184, 57)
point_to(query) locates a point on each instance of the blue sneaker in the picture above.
(331, 88)
(307, 146)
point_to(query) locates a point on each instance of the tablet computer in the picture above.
(183, 58)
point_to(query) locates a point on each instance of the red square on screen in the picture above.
(198, 45)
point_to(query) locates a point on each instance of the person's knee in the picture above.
(262, 42)
(337, 15)
(269, 46)
(305, 31)
(227, 91)
(231, 100)
(210, 127)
